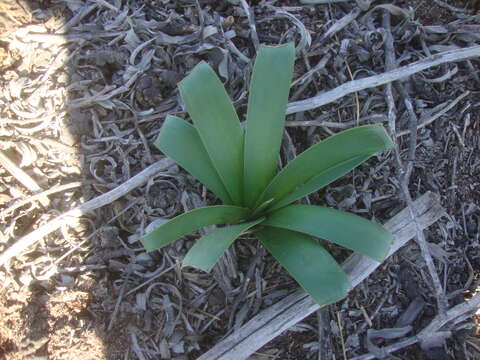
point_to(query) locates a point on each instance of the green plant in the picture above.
(239, 167)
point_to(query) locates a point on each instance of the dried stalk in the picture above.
(22, 177)
(39, 196)
(435, 325)
(382, 79)
(102, 200)
(405, 171)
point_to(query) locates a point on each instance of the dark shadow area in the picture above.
(85, 86)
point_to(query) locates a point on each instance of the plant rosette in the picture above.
(240, 168)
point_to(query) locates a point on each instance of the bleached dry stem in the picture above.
(102, 200)
(382, 79)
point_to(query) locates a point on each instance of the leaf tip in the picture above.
(149, 247)
(187, 263)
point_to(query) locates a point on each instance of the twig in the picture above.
(325, 351)
(339, 25)
(321, 65)
(449, 7)
(244, 288)
(75, 20)
(382, 79)
(59, 39)
(22, 177)
(435, 325)
(53, 143)
(39, 196)
(120, 298)
(102, 200)
(251, 22)
(442, 301)
(430, 119)
(424, 121)
(81, 268)
(404, 178)
(154, 277)
(357, 101)
(412, 144)
(323, 1)
(340, 328)
(107, 5)
(322, 121)
(103, 95)
(390, 65)
(455, 312)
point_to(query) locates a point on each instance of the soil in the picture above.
(87, 291)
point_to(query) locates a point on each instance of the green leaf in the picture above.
(322, 179)
(324, 157)
(191, 221)
(261, 208)
(267, 101)
(308, 262)
(206, 251)
(342, 228)
(217, 123)
(180, 140)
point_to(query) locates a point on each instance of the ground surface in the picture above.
(85, 86)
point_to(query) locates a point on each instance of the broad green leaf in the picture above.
(267, 101)
(322, 179)
(308, 262)
(261, 208)
(333, 151)
(206, 251)
(342, 228)
(217, 123)
(180, 140)
(191, 221)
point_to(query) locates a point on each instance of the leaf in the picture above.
(180, 140)
(261, 208)
(206, 251)
(342, 228)
(217, 123)
(268, 96)
(308, 263)
(325, 156)
(191, 221)
(322, 179)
